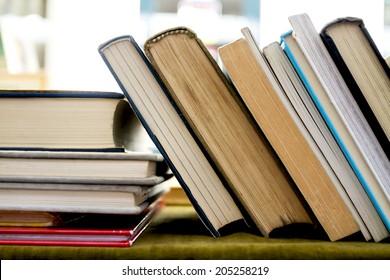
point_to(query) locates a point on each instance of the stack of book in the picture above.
(292, 135)
(76, 168)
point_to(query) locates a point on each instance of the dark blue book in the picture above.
(69, 120)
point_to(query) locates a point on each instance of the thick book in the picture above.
(176, 142)
(69, 120)
(102, 230)
(335, 123)
(364, 70)
(232, 140)
(267, 102)
(78, 167)
(366, 215)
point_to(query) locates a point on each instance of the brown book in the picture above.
(232, 140)
(288, 136)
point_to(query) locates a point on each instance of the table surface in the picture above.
(177, 233)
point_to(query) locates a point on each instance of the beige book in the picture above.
(281, 125)
(231, 138)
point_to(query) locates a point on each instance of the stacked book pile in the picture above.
(76, 168)
(294, 135)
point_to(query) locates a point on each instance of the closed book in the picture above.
(119, 201)
(365, 213)
(93, 230)
(69, 120)
(232, 140)
(170, 133)
(285, 131)
(29, 218)
(364, 70)
(69, 166)
(336, 122)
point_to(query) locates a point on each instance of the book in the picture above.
(79, 201)
(337, 126)
(148, 97)
(29, 218)
(220, 121)
(370, 222)
(69, 120)
(252, 77)
(69, 166)
(364, 70)
(103, 230)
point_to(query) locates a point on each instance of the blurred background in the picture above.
(52, 44)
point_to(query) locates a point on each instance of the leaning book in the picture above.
(322, 96)
(364, 70)
(176, 142)
(218, 118)
(370, 223)
(266, 100)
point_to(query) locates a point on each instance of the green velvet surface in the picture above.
(177, 233)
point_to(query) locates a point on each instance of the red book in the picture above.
(90, 230)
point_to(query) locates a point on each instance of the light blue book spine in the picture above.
(331, 127)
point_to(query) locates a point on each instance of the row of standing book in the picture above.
(294, 135)
(277, 137)
(76, 169)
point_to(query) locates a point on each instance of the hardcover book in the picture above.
(220, 121)
(69, 120)
(78, 167)
(364, 70)
(103, 230)
(285, 131)
(370, 222)
(170, 133)
(336, 125)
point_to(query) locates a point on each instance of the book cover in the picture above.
(364, 70)
(170, 133)
(288, 136)
(103, 230)
(222, 124)
(336, 125)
